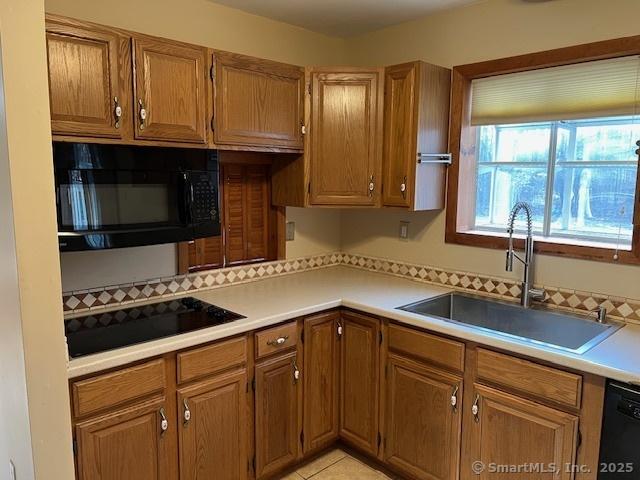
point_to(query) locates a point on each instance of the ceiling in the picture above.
(342, 18)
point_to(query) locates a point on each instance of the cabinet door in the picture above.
(213, 428)
(246, 217)
(400, 115)
(359, 381)
(202, 254)
(346, 132)
(127, 444)
(257, 102)
(276, 407)
(321, 368)
(169, 90)
(423, 427)
(84, 81)
(508, 430)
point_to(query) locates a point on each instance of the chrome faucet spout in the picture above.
(528, 293)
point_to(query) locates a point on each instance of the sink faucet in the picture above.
(528, 293)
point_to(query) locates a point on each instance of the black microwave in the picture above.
(113, 196)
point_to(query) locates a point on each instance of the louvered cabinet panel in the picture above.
(257, 212)
(234, 193)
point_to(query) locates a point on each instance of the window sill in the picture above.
(571, 248)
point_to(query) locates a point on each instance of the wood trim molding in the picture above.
(462, 139)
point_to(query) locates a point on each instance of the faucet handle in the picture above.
(601, 314)
(537, 294)
(509, 262)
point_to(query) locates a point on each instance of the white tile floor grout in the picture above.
(336, 465)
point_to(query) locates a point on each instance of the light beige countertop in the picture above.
(268, 302)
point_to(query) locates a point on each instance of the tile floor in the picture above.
(336, 465)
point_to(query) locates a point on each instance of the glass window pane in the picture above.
(605, 140)
(501, 186)
(594, 202)
(523, 143)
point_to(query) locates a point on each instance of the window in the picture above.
(579, 176)
(555, 129)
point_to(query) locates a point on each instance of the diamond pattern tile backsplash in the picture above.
(624, 309)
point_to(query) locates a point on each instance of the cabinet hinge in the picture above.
(302, 336)
(380, 337)
(212, 73)
(579, 440)
(309, 88)
(302, 438)
(379, 439)
(253, 464)
(74, 445)
(309, 188)
(253, 384)
(213, 123)
(303, 129)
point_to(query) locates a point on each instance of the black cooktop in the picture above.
(120, 328)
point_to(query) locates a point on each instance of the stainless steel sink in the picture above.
(572, 333)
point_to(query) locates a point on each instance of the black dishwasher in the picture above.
(620, 444)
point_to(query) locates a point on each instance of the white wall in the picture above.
(15, 437)
(33, 355)
(316, 231)
(482, 31)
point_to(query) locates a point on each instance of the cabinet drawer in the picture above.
(104, 391)
(207, 360)
(527, 377)
(427, 347)
(276, 339)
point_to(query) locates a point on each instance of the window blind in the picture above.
(602, 88)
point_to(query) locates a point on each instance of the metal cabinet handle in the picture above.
(475, 409)
(339, 329)
(403, 187)
(164, 423)
(187, 412)
(296, 371)
(372, 186)
(142, 114)
(454, 398)
(117, 111)
(278, 341)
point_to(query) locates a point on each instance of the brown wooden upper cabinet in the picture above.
(87, 94)
(345, 129)
(416, 125)
(258, 103)
(169, 90)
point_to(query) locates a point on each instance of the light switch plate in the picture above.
(12, 470)
(290, 231)
(404, 231)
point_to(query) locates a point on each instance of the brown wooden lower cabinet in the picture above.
(359, 381)
(194, 411)
(507, 430)
(276, 408)
(125, 444)
(321, 388)
(423, 424)
(213, 435)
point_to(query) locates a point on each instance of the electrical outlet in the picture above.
(290, 231)
(12, 471)
(404, 231)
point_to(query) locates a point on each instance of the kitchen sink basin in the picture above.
(538, 325)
